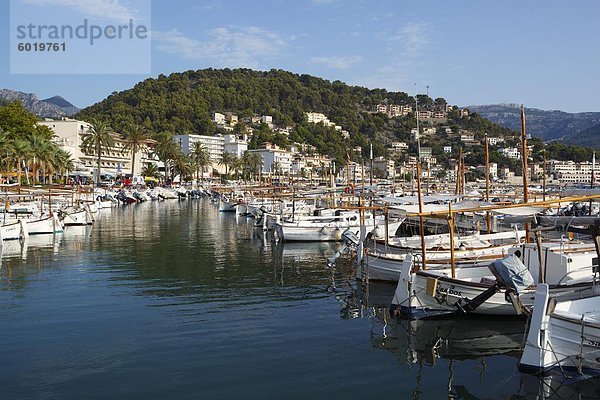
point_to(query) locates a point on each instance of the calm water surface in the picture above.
(174, 300)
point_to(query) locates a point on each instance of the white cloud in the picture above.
(413, 39)
(109, 9)
(231, 46)
(344, 62)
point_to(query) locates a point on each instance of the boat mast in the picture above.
(487, 182)
(525, 168)
(421, 221)
(544, 178)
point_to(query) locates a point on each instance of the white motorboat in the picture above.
(330, 228)
(563, 334)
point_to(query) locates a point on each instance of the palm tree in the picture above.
(227, 160)
(42, 152)
(99, 137)
(252, 163)
(136, 139)
(237, 166)
(5, 147)
(150, 170)
(167, 151)
(200, 158)
(184, 166)
(21, 151)
(62, 162)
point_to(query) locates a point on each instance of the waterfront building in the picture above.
(572, 172)
(236, 145)
(275, 160)
(69, 134)
(214, 145)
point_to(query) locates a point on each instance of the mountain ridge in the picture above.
(52, 107)
(546, 124)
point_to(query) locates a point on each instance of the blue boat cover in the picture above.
(512, 273)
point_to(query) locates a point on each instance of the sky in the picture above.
(542, 53)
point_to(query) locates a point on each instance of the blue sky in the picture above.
(544, 54)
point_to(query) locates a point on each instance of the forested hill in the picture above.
(182, 103)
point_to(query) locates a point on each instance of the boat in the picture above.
(71, 216)
(563, 334)
(46, 225)
(14, 230)
(567, 267)
(323, 228)
(388, 266)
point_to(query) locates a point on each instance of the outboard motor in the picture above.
(122, 197)
(511, 274)
(138, 197)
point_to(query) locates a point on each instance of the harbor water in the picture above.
(176, 300)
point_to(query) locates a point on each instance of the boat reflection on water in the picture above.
(308, 251)
(362, 299)
(457, 338)
(450, 346)
(557, 386)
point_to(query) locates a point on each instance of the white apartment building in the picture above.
(213, 144)
(355, 172)
(511, 152)
(69, 134)
(492, 141)
(572, 172)
(235, 145)
(267, 119)
(399, 146)
(274, 158)
(392, 110)
(219, 118)
(447, 149)
(315, 118)
(467, 137)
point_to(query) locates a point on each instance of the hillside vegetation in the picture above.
(182, 103)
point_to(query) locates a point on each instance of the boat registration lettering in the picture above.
(593, 343)
(449, 291)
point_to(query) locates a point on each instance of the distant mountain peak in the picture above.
(546, 124)
(59, 101)
(53, 107)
